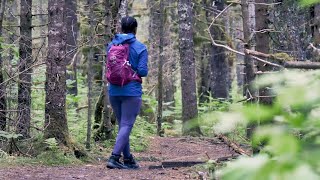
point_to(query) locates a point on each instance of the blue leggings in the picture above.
(126, 109)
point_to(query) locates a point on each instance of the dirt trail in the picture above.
(160, 150)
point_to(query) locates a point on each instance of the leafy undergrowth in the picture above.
(288, 131)
(46, 153)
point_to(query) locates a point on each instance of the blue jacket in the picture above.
(138, 58)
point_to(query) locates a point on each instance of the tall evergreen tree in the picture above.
(170, 55)
(90, 58)
(262, 44)
(25, 52)
(249, 64)
(160, 68)
(72, 41)
(187, 62)
(103, 116)
(153, 39)
(3, 104)
(56, 125)
(106, 125)
(219, 65)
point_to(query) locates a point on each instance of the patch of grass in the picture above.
(48, 158)
(52, 158)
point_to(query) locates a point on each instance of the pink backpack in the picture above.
(118, 67)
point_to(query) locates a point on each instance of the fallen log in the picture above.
(301, 65)
(233, 145)
(178, 164)
(286, 61)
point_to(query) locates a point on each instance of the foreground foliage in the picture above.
(288, 135)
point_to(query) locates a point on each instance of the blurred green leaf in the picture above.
(309, 2)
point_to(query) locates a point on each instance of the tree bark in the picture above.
(315, 27)
(290, 29)
(25, 51)
(203, 89)
(107, 124)
(56, 125)
(153, 48)
(12, 38)
(103, 115)
(160, 69)
(43, 20)
(301, 65)
(187, 62)
(123, 12)
(220, 83)
(249, 65)
(262, 45)
(90, 4)
(72, 41)
(170, 55)
(3, 104)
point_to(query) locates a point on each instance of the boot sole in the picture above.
(111, 166)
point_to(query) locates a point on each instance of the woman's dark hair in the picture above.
(129, 25)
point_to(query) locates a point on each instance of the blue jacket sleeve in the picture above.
(143, 64)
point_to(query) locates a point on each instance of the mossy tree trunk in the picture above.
(249, 64)
(170, 55)
(153, 47)
(188, 75)
(315, 27)
(160, 68)
(12, 38)
(25, 52)
(262, 45)
(219, 65)
(3, 104)
(56, 125)
(91, 18)
(104, 119)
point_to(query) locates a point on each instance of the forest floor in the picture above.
(165, 158)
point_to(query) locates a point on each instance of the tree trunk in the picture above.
(56, 125)
(203, 89)
(160, 69)
(187, 62)
(290, 24)
(72, 39)
(170, 55)
(102, 109)
(262, 45)
(3, 105)
(107, 124)
(249, 65)
(90, 4)
(315, 28)
(12, 39)
(220, 84)
(25, 51)
(153, 48)
(123, 12)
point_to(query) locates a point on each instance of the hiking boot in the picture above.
(114, 162)
(130, 163)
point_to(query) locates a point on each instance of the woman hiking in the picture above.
(127, 60)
